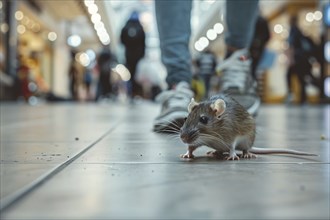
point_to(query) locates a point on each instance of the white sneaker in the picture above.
(238, 82)
(174, 108)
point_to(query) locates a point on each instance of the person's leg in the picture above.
(241, 16)
(302, 84)
(301, 73)
(289, 75)
(173, 20)
(136, 87)
(237, 80)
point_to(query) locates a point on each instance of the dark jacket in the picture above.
(133, 38)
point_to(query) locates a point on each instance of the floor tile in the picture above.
(119, 168)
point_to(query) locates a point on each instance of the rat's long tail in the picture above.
(257, 150)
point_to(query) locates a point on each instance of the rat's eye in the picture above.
(185, 119)
(203, 119)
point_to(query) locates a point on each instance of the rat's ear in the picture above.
(192, 104)
(219, 107)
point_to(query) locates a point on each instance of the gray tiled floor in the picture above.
(88, 161)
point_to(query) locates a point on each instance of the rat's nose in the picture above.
(187, 135)
(184, 137)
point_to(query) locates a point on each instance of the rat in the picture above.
(224, 125)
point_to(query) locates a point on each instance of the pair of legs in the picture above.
(173, 19)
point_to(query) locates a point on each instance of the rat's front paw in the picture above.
(232, 157)
(187, 156)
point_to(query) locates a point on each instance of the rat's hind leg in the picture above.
(247, 155)
(189, 153)
(244, 144)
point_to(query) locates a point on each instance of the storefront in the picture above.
(40, 37)
(28, 48)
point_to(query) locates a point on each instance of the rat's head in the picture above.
(201, 120)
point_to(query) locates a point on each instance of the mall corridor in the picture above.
(102, 161)
(84, 84)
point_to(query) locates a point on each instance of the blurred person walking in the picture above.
(150, 74)
(133, 38)
(301, 50)
(260, 39)
(88, 78)
(105, 62)
(24, 76)
(173, 19)
(206, 63)
(74, 77)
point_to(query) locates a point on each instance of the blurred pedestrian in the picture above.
(105, 62)
(259, 41)
(206, 63)
(88, 81)
(150, 74)
(24, 76)
(73, 77)
(133, 38)
(301, 50)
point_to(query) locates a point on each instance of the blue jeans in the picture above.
(241, 16)
(173, 21)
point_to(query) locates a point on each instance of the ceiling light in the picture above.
(318, 15)
(204, 42)
(88, 2)
(211, 34)
(21, 29)
(198, 46)
(104, 38)
(309, 17)
(101, 32)
(91, 54)
(74, 40)
(19, 15)
(218, 28)
(84, 59)
(92, 9)
(96, 18)
(106, 42)
(98, 25)
(4, 28)
(278, 28)
(97, 21)
(52, 36)
(123, 72)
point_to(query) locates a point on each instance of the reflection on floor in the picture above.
(89, 161)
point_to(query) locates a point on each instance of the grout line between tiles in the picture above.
(220, 163)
